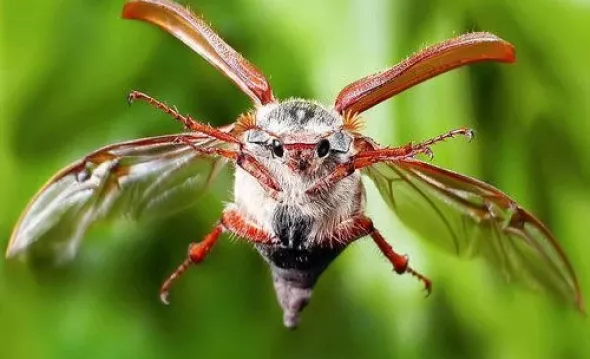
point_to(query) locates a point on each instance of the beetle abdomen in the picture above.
(294, 273)
(291, 226)
(313, 260)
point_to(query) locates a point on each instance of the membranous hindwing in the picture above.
(135, 179)
(470, 218)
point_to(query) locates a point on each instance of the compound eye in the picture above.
(277, 148)
(323, 148)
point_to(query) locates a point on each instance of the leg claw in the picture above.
(164, 297)
(131, 97)
(470, 134)
(427, 283)
(428, 288)
(428, 153)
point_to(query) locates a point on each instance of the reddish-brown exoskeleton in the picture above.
(298, 195)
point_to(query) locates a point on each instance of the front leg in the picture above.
(249, 164)
(245, 161)
(370, 154)
(187, 121)
(360, 226)
(241, 158)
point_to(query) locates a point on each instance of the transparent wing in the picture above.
(131, 179)
(471, 218)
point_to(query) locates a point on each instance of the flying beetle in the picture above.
(298, 194)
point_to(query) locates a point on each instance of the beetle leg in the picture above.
(197, 252)
(362, 160)
(186, 121)
(351, 230)
(246, 162)
(360, 226)
(371, 155)
(249, 164)
(241, 158)
(399, 262)
(235, 222)
(463, 131)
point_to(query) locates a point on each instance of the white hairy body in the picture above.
(327, 209)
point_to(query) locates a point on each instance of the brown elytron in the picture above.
(298, 193)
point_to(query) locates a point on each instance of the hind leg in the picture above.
(360, 226)
(196, 254)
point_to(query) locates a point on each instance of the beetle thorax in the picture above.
(299, 126)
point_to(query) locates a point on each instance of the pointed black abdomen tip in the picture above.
(290, 321)
(293, 296)
(293, 301)
(295, 272)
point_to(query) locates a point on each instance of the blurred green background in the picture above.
(67, 66)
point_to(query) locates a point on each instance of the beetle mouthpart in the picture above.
(302, 165)
(164, 298)
(300, 160)
(299, 165)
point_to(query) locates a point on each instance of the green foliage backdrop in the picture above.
(66, 67)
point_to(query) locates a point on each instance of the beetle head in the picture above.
(299, 136)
